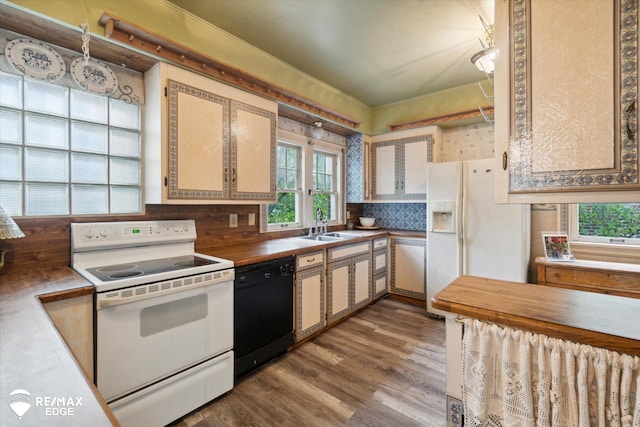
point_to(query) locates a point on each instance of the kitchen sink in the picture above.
(331, 237)
(323, 238)
(342, 235)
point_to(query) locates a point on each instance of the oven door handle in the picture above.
(127, 296)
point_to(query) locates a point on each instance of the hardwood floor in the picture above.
(384, 366)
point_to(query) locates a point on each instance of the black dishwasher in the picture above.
(263, 312)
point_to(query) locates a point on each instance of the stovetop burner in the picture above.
(114, 272)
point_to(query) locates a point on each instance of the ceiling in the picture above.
(377, 51)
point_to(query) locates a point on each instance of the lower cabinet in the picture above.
(408, 267)
(380, 255)
(310, 315)
(73, 317)
(348, 279)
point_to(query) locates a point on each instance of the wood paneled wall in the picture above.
(48, 240)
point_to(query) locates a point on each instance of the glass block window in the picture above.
(67, 152)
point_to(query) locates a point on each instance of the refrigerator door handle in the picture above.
(460, 208)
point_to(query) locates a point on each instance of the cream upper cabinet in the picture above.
(205, 141)
(399, 164)
(566, 100)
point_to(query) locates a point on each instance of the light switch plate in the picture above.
(251, 219)
(233, 220)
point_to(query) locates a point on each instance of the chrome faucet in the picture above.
(313, 230)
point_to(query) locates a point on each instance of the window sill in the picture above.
(602, 252)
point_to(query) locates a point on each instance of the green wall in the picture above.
(162, 17)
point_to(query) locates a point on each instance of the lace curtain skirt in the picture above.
(517, 378)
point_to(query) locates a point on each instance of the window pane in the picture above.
(47, 199)
(46, 165)
(291, 179)
(326, 203)
(88, 168)
(285, 210)
(123, 143)
(282, 157)
(90, 107)
(11, 160)
(282, 178)
(46, 131)
(89, 199)
(613, 220)
(46, 98)
(125, 199)
(11, 90)
(88, 137)
(10, 126)
(292, 158)
(123, 114)
(125, 172)
(11, 197)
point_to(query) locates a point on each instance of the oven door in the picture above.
(141, 342)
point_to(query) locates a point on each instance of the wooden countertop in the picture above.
(250, 253)
(35, 358)
(599, 320)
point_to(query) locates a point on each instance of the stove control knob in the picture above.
(89, 233)
(104, 232)
(176, 229)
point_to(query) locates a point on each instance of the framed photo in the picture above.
(556, 246)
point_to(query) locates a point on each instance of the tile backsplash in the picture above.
(400, 216)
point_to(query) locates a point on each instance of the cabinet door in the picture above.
(310, 300)
(73, 317)
(566, 99)
(198, 143)
(380, 261)
(338, 290)
(361, 281)
(408, 267)
(385, 183)
(413, 182)
(379, 285)
(253, 153)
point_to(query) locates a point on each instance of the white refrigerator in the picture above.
(467, 233)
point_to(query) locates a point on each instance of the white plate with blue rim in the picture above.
(35, 59)
(94, 76)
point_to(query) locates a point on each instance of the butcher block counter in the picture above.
(250, 253)
(35, 358)
(600, 320)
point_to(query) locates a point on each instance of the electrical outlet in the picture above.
(233, 220)
(348, 214)
(251, 219)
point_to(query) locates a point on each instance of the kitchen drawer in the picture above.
(379, 261)
(313, 259)
(592, 276)
(347, 251)
(380, 243)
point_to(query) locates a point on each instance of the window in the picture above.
(287, 211)
(308, 178)
(324, 184)
(65, 151)
(608, 223)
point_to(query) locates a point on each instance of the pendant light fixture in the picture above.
(484, 59)
(317, 131)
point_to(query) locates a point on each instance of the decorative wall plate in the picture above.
(94, 76)
(35, 59)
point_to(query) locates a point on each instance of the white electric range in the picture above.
(164, 317)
